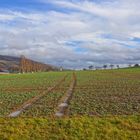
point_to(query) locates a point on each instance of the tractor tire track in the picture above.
(63, 106)
(33, 100)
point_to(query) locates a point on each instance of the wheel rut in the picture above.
(63, 106)
(33, 100)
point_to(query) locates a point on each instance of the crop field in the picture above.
(104, 104)
(47, 105)
(107, 93)
(16, 89)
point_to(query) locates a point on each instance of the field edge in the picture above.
(84, 127)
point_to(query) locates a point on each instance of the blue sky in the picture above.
(71, 33)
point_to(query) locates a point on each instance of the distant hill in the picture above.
(10, 62)
(7, 62)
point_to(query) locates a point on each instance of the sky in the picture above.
(71, 33)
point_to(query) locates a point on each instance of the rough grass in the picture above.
(76, 128)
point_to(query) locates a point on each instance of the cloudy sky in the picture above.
(71, 33)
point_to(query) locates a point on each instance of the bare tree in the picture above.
(22, 64)
(27, 65)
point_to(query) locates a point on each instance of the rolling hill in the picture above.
(10, 62)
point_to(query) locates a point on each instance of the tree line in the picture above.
(28, 65)
(111, 66)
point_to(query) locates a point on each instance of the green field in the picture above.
(16, 89)
(111, 92)
(105, 105)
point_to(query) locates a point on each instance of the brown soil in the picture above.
(65, 100)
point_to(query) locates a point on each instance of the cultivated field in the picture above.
(102, 104)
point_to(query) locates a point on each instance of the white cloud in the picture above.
(106, 30)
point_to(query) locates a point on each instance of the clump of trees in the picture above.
(104, 66)
(136, 65)
(27, 65)
(90, 67)
(111, 66)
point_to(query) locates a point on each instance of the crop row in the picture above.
(11, 99)
(106, 93)
(35, 80)
(47, 105)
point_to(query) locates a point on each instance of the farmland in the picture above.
(102, 103)
(16, 89)
(107, 93)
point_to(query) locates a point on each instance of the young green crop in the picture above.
(18, 88)
(47, 105)
(10, 101)
(102, 92)
(106, 92)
